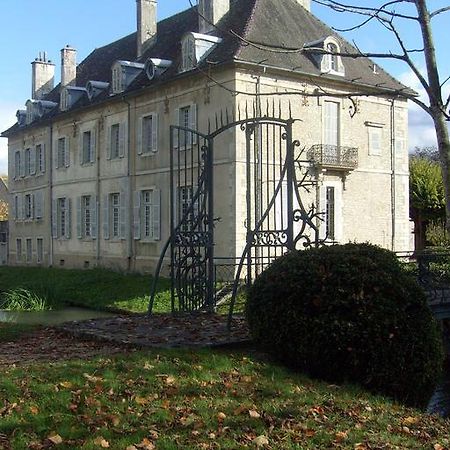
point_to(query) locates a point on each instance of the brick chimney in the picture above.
(146, 24)
(68, 66)
(305, 3)
(210, 13)
(42, 76)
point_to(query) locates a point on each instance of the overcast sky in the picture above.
(29, 26)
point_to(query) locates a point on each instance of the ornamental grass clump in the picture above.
(349, 313)
(22, 299)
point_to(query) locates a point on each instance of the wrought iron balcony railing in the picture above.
(334, 156)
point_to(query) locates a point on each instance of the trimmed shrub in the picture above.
(349, 313)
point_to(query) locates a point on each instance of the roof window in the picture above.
(123, 74)
(195, 47)
(326, 55)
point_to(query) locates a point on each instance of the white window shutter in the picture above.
(81, 147)
(39, 200)
(156, 214)
(123, 214)
(79, 218)
(68, 218)
(123, 139)
(93, 144)
(55, 218)
(22, 164)
(33, 205)
(55, 154)
(33, 161)
(108, 143)
(67, 151)
(193, 122)
(155, 133)
(94, 219)
(106, 217)
(44, 156)
(137, 215)
(140, 130)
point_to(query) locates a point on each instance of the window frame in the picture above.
(39, 250)
(19, 250)
(114, 216)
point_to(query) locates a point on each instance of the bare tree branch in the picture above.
(439, 11)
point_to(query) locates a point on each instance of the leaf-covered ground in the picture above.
(198, 400)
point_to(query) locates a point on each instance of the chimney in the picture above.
(306, 4)
(210, 13)
(68, 66)
(42, 76)
(146, 24)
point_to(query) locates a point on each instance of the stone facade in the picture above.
(52, 225)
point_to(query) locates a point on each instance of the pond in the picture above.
(51, 317)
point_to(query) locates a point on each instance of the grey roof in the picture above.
(283, 23)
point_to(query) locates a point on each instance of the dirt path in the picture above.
(50, 345)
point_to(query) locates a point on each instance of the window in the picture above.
(375, 139)
(331, 123)
(149, 134)
(149, 214)
(28, 162)
(62, 156)
(87, 153)
(330, 213)
(117, 79)
(187, 118)
(114, 201)
(63, 218)
(188, 50)
(185, 196)
(28, 206)
(29, 248)
(19, 249)
(39, 250)
(16, 207)
(17, 164)
(333, 64)
(86, 208)
(331, 208)
(115, 141)
(40, 162)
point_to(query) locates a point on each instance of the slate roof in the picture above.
(276, 22)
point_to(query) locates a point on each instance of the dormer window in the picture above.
(195, 47)
(70, 95)
(325, 53)
(123, 74)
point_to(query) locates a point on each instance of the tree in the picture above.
(389, 15)
(426, 194)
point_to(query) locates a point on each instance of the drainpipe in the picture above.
(130, 193)
(393, 176)
(50, 181)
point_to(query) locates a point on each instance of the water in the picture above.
(51, 317)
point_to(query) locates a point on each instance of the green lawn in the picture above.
(199, 400)
(97, 289)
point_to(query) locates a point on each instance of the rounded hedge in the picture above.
(349, 313)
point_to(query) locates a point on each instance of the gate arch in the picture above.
(275, 219)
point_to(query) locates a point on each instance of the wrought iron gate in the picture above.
(275, 218)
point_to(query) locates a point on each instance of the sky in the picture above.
(28, 27)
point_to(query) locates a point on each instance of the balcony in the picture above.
(334, 157)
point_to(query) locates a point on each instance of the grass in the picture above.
(98, 289)
(199, 400)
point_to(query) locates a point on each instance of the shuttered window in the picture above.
(148, 134)
(331, 123)
(115, 141)
(39, 250)
(114, 203)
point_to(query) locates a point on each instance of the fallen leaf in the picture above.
(408, 421)
(261, 441)
(170, 380)
(131, 447)
(254, 414)
(221, 417)
(146, 445)
(55, 439)
(66, 384)
(341, 436)
(102, 442)
(438, 447)
(141, 400)
(34, 410)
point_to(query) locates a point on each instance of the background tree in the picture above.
(426, 192)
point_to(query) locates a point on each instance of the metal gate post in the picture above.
(172, 218)
(210, 291)
(290, 185)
